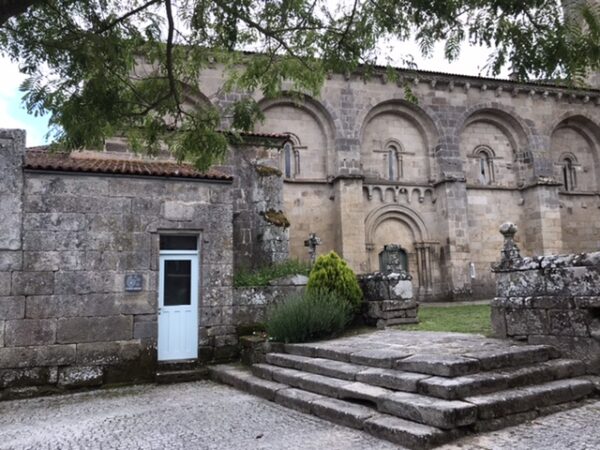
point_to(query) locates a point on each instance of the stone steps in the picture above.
(418, 389)
(442, 387)
(181, 376)
(445, 414)
(402, 432)
(180, 372)
(444, 365)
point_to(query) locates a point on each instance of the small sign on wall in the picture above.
(134, 282)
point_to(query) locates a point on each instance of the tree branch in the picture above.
(169, 60)
(11, 8)
(125, 16)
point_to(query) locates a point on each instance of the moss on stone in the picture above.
(267, 171)
(276, 218)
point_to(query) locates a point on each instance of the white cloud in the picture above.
(12, 112)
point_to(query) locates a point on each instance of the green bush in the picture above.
(331, 273)
(314, 315)
(263, 275)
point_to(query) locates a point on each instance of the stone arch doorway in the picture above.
(400, 225)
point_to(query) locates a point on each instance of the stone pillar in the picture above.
(542, 221)
(350, 238)
(424, 268)
(12, 151)
(452, 197)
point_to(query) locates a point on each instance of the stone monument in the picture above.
(388, 294)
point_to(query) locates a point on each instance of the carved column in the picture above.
(424, 268)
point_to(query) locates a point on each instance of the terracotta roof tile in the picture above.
(65, 162)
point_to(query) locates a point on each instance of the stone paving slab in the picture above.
(200, 415)
(403, 343)
(205, 415)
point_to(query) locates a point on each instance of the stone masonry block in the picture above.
(573, 281)
(10, 260)
(176, 210)
(12, 307)
(569, 323)
(32, 283)
(49, 355)
(26, 332)
(145, 330)
(80, 376)
(79, 282)
(52, 260)
(104, 353)
(5, 283)
(94, 329)
(522, 322)
(520, 284)
(36, 376)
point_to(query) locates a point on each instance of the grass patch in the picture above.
(262, 276)
(457, 319)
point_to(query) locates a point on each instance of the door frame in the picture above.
(180, 255)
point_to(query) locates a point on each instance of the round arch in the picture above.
(317, 112)
(588, 129)
(505, 118)
(397, 212)
(413, 113)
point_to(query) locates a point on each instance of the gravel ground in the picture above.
(204, 415)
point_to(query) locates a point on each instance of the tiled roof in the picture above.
(65, 162)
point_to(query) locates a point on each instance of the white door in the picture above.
(178, 306)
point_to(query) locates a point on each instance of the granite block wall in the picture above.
(260, 227)
(553, 300)
(68, 241)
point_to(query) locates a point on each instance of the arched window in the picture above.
(394, 163)
(290, 160)
(485, 165)
(288, 157)
(569, 179)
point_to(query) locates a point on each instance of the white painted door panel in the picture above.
(178, 307)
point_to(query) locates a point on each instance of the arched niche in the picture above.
(502, 134)
(311, 124)
(575, 142)
(397, 140)
(398, 224)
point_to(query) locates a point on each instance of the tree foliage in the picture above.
(129, 67)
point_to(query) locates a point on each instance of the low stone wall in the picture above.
(553, 300)
(388, 299)
(251, 304)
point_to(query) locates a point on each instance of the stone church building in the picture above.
(364, 167)
(110, 264)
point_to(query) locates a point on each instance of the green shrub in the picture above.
(331, 273)
(263, 275)
(303, 318)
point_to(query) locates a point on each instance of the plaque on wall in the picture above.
(134, 282)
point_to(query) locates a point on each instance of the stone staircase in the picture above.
(418, 396)
(180, 371)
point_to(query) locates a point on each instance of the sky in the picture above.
(14, 115)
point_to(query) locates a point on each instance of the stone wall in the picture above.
(67, 241)
(553, 300)
(251, 304)
(388, 299)
(260, 227)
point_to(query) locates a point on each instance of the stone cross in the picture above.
(312, 243)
